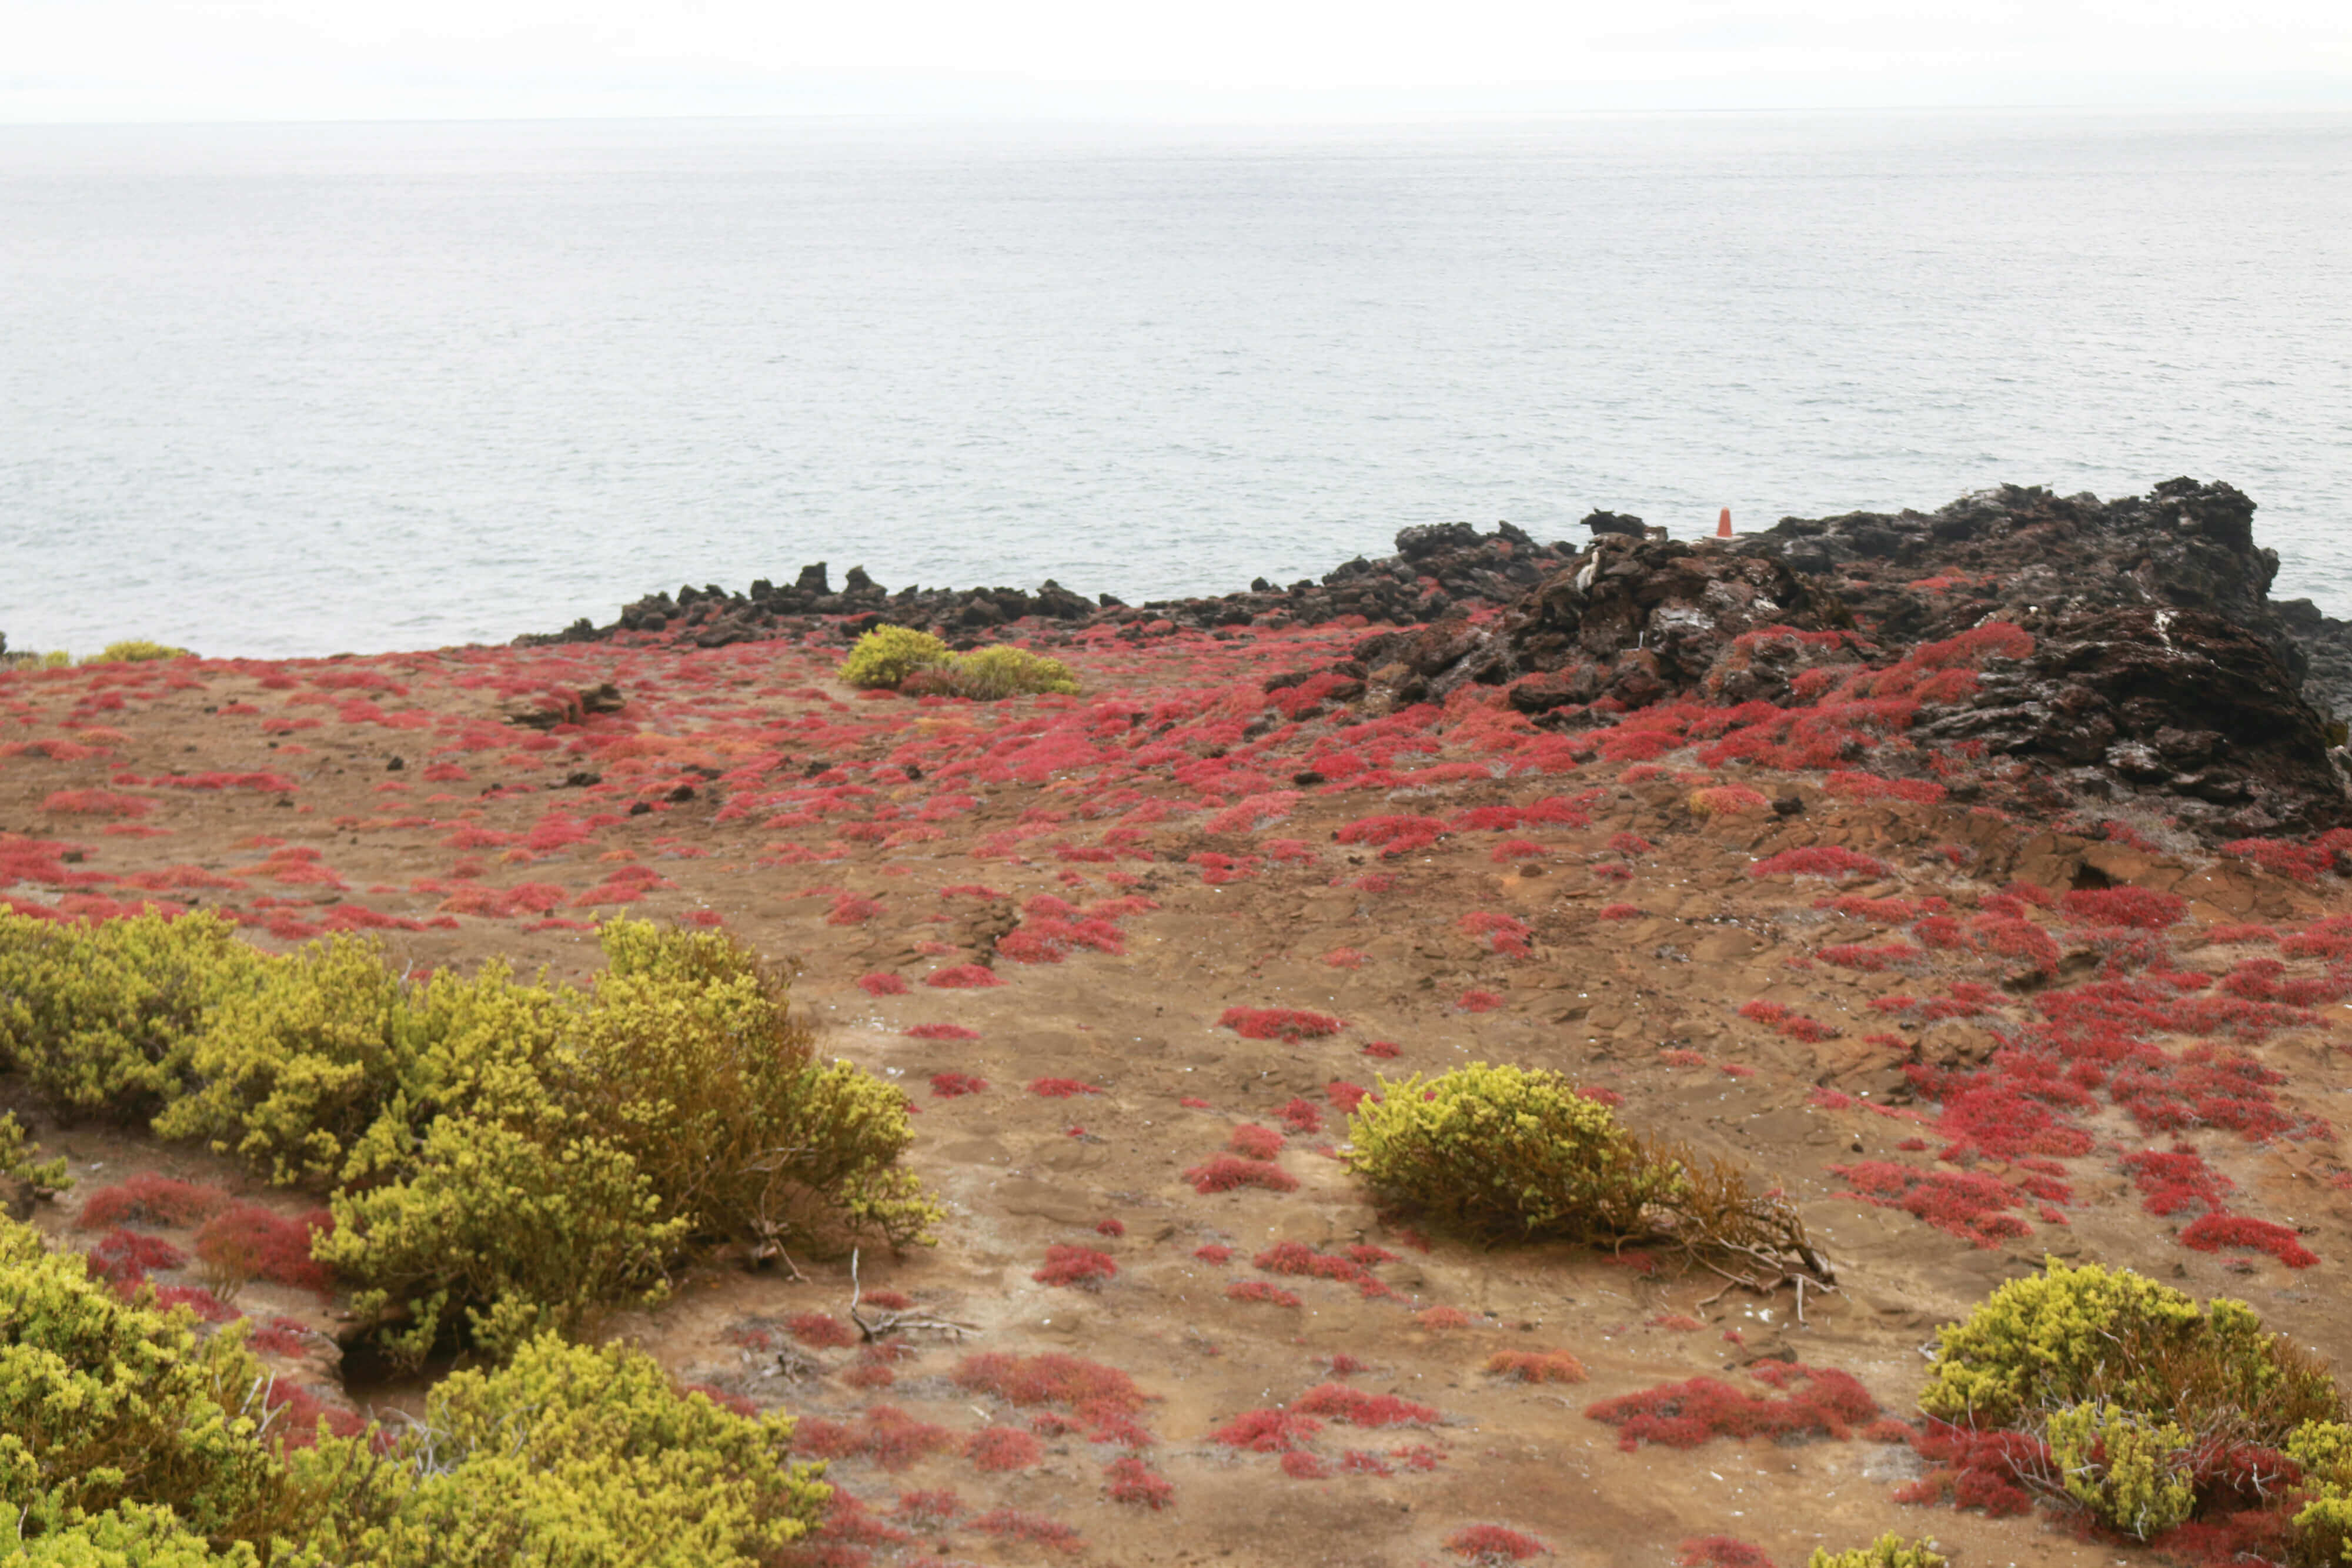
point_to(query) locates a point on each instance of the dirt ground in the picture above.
(892, 840)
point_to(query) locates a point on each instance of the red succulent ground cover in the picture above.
(1228, 1173)
(1290, 1024)
(1081, 1266)
(1686, 1415)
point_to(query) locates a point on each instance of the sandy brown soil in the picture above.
(424, 805)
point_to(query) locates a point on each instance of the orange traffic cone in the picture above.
(1723, 525)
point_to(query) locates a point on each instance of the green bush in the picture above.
(135, 651)
(17, 1158)
(585, 1458)
(293, 1068)
(1500, 1151)
(887, 655)
(898, 658)
(128, 1442)
(1889, 1551)
(688, 1058)
(2068, 1336)
(501, 1158)
(102, 1018)
(2126, 1382)
(992, 674)
(104, 1403)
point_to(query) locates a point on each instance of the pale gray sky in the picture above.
(274, 59)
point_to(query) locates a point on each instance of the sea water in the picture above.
(291, 389)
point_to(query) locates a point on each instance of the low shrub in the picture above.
(17, 1161)
(1889, 1551)
(2111, 1393)
(992, 674)
(1504, 1153)
(102, 1019)
(884, 658)
(581, 1456)
(500, 1159)
(135, 651)
(119, 1420)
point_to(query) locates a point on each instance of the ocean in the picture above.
(292, 390)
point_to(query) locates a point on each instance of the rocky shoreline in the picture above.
(2153, 665)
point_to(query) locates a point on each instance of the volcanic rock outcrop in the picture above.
(2148, 659)
(1438, 568)
(2151, 660)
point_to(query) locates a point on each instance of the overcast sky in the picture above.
(272, 60)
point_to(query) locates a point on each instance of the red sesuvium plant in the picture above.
(1259, 1292)
(1720, 1552)
(1230, 1173)
(1494, 1545)
(1080, 1268)
(955, 1085)
(1103, 1400)
(1267, 1432)
(1785, 1020)
(821, 1331)
(1060, 1088)
(1966, 1204)
(1003, 1448)
(1824, 860)
(1290, 1025)
(151, 1200)
(2212, 1232)
(1355, 1407)
(1253, 1142)
(882, 985)
(1686, 1415)
(1535, 1367)
(1130, 1480)
(247, 1241)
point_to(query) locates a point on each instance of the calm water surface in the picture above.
(293, 389)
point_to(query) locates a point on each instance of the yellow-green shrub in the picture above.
(992, 674)
(585, 1458)
(130, 1536)
(2123, 1379)
(887, 655)
(104, 1402)
(896, 657)
(507, 1233)
(1889, 1551)
(1502, 1151)
(126, 1442)
(294, 1067)
(504, 1158)
(101, 1018)
(16, 1158)
(688, 1058)
(2069, 1335)
(2127, 1468)
(135, 651)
